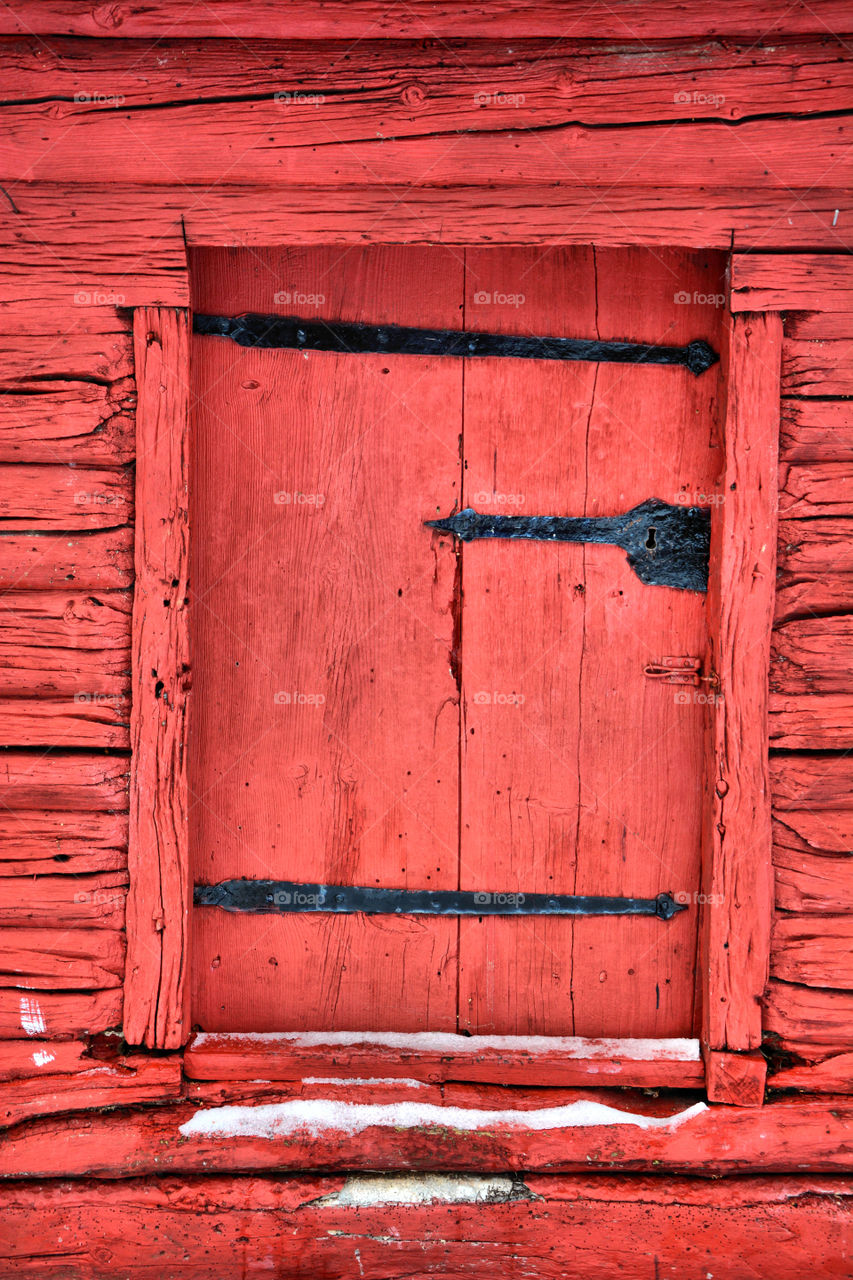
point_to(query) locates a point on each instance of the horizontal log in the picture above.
(802, 1018)
(61, 959)
(73, 354)
(129, 1081)
(816, 489)
(817, 368)
(421, 19)
(21, 1059)
(814, 326)
(564, 1061)
(816, 431)
(815, 567)
(533, 213)
(486, 1226)
(810, 591)
(811, 722)
(792, 282)
(64, 497)
(537, 82)
(827, 830)
(83, 422)
(785, 1135)
(198, 143)
(829, 1075)
(58, 901)
(813, 952)
(46, 1014)
(812, 655)
(41, 842)
(85, 720)
(811, 883)
(96, 561)
(65, 643)
(56, 781)
(817, 783)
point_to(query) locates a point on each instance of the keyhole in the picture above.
(650, 538)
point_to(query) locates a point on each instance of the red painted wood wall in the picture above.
(133, 130)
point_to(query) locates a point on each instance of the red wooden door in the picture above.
(376, 705)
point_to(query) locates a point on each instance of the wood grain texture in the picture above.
(65, 643)
(64, 497)
(130, 1081)
(787, 1135)
(212, 141)
(81, 422)
(60, 901)
(422, 19)
(813, 951)
(84, 720)
(815, 567)
(816, 489)
(83, 781)
(735, 1078)
(816, 431)
(740, 604)
(792, 282)
(815, 782)
(549, 1226)
(587, 1062)
(805, 722)
(812, 655)
(397, 87)
(801, 1019)
(100, 560)
(817, 368)
(66, 351)
(21, 1059)
(833, 1074)
(61, 959)
(41, 841)
(46, 1014)
(810, 883)
(158, 898)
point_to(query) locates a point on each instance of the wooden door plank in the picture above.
(738, 869)
(158, 899)
(326, 612)
(544, 790)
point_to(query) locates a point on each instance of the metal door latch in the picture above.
(667, 546)
(674, 670)
(282, 896)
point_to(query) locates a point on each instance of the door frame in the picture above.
(737, 884)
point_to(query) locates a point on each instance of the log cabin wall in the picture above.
(112, 161)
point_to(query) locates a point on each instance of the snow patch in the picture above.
(41, 1057)
(675, 1050)
(407, 1081)
(366, 1190)
(32, 1018)
(280, 1119)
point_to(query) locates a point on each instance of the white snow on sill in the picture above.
(407, 1081)
(677, 1050)
(41, 1057)
(280, 1119)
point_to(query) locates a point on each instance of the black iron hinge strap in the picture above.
(405, 340)
(272, 896)
(667, 546)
